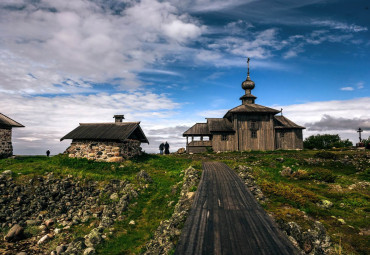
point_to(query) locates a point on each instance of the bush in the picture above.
(322, 175)
(325, 155)
(325, 142)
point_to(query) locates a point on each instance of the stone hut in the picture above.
(6, 125)
(249, 126)
(111, 142)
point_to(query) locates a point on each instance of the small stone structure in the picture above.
(6, 125)
(110, 142)
(104, 151)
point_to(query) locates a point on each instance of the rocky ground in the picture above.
(39, 210)
(168, 233)
(313, 241)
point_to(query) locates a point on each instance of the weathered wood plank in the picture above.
(226, 219)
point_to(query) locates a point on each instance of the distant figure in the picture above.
(47, 153)
(166, 148)
(161, 148)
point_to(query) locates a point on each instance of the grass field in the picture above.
(340, 177)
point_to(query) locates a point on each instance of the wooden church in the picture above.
(249, 126)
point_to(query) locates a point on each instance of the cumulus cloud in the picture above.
(85, 41)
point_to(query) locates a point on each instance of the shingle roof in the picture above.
(251, 108)
(197, 129)
(8, 122)
(219, 125)
(282, 122)
(107, 131)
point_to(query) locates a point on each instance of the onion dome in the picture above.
(248, 83)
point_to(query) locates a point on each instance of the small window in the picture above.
(253, 124)
(254, 134)
(282, 134)
(223, 137)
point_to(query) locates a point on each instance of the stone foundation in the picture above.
(6, 148)
(104, 150)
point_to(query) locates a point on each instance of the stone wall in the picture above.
(108, 151)
(6, 148)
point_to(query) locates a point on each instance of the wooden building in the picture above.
(6, 125)
(249, 126)
(112, 142)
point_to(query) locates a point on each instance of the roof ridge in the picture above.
(18, 124)
(111, 123)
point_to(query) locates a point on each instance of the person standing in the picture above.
(166, 148)
(161, 148)
(47, 153)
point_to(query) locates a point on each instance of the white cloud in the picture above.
(347, 89)
(208, 5)
(82, 41)
(360, 85)
(339, 25)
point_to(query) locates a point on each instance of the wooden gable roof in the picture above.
(5, 121)
(250, 108)
(282, 122)
(197, 129)
(219, 125)
(107, 131)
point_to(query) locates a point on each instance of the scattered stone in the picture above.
(190, 195)
(144, 176)
(21, 253)
(89, 251)
(181, 151)
(341, 221)
(14, 234)
(49, 223)
(280, 160)
(132, 222)
(114, 196)
(31, 222)
(326, 204)
(44, 239)
(286, 172)
(93, 238)
(57, 231)
(7, 172)
(60, 249)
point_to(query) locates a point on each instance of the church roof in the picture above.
(219, 125)
(107, 131)
(213, 125)
(251, 108)
(282, 122)
(197, 129)
(8, 122)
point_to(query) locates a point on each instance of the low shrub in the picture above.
(290, 193)
(301, 175)
(325, 155)
(322, 175)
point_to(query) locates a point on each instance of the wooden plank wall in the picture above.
(265, 134)
(292, 139)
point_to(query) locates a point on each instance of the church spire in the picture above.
(248, 85)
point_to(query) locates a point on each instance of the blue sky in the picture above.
(172, 63)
